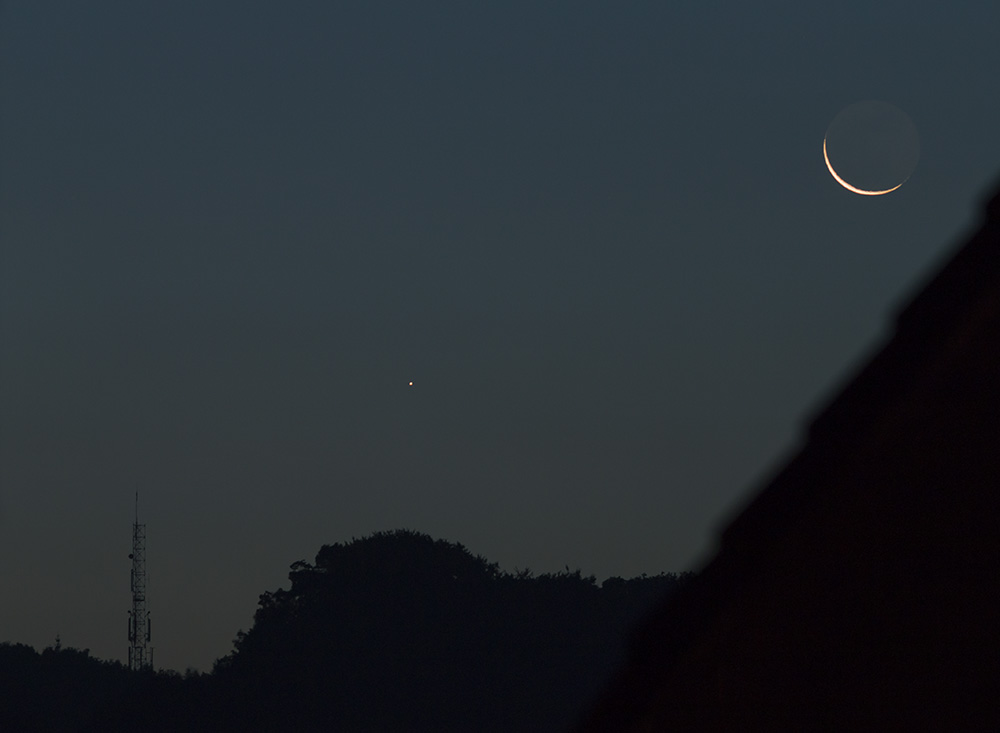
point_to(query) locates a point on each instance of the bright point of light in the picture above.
(411, 384)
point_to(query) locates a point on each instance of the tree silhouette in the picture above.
(398, 630)
(395, 631)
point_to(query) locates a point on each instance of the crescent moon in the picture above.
(855, 189)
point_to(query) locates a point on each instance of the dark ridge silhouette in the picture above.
(392, 632)
(857, 591)
(65, 689)
(398, 631)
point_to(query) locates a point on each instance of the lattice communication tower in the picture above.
(138, 617)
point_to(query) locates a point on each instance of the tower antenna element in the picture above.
(139, 655)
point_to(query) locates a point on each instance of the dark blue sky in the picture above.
(599, 238)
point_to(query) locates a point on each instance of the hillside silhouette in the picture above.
(856, 590)
(395, 631)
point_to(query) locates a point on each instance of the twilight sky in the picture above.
(599, 238)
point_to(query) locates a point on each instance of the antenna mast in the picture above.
(138, 617)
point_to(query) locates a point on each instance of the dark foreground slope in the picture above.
(858, 589)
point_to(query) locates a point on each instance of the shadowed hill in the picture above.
(392, 632)
(66, 690)
(857, 590)
(398, 631)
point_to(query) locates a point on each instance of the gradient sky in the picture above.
(599, 238)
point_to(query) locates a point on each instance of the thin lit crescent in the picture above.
(855, 189)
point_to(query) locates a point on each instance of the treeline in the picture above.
(65, 689)
(396, 631)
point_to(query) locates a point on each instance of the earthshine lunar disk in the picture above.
(847, 185)
(871, 148)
